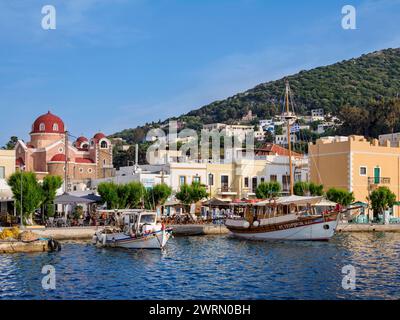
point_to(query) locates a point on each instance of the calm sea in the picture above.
(212, 267)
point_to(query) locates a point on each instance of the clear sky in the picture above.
(116, 64)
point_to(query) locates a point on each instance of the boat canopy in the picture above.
(326, 203)
(298, 200)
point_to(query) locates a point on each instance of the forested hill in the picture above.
(353, 82)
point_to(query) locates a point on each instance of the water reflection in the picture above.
(212, 268)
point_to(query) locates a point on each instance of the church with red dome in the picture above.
(46, 152)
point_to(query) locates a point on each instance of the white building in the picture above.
(392, 138)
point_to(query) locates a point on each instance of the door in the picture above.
(377, 175)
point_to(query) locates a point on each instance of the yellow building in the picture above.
(7, 163)
(355, 164)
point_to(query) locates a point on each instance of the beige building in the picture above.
(7, 168)
(355, 164)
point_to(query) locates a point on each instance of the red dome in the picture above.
(83, 160)
(58, 158)
(99, 136)
(80, 141)
(48, 123)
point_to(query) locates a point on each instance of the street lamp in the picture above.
(210, 181)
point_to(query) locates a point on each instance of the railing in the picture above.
(226, 189)
(378, 180)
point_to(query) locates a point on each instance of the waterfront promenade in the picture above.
(86, 233)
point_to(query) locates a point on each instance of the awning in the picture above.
(360, 203)
(326, 203)
(6, 194)
(68, 199)
(298, 200)
(214, 202)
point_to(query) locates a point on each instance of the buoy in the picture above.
(246, 224)
(256, 223)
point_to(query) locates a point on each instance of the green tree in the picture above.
(301, 188)
(11, 143)
(32, 193)
(343, 197)
(109, 194)
(268, 190)
(136, 192)
(316, 189)
(49, 189)
(157, 196)
(382, 199)
(189, 194)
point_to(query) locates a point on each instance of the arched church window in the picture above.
(55, 127)
(104, 145)
(42, 127)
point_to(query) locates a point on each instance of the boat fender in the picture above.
(246, 224)
(95, 239)
(256, 223)
(54, 245)
(104, 239)
(51, 245)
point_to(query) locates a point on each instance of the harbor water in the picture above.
(212, 267)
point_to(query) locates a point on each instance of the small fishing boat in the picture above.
(138, 230)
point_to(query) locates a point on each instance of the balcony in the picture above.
(227, 191)
(378, 180)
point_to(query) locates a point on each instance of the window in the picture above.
(224, 183)
(363, 171)
(55, 127)
(254, 184)
(81, 170)
(2, 172)
(196, 179)
(273, 178)
(246, 182)
(262, 180)
(285, 183)
(42, 127)
(90, 170)
(104, 145)
(182, 180)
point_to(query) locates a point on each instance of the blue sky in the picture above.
(116, 64)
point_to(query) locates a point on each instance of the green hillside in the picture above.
(354, 82)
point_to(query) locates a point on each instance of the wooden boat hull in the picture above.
(317, 229)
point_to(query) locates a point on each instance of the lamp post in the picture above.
(210, 182)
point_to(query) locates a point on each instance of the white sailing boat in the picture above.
(286, 218)
(139, 230)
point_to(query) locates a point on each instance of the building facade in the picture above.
(7, 168)
(355, 164)
(47, 152)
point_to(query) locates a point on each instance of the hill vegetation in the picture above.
(363, 92)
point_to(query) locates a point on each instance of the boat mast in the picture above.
(289, 117)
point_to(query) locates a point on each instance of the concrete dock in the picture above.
(23, 247)
(86, 233)
(349, 227)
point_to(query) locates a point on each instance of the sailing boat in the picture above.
(287, 218)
